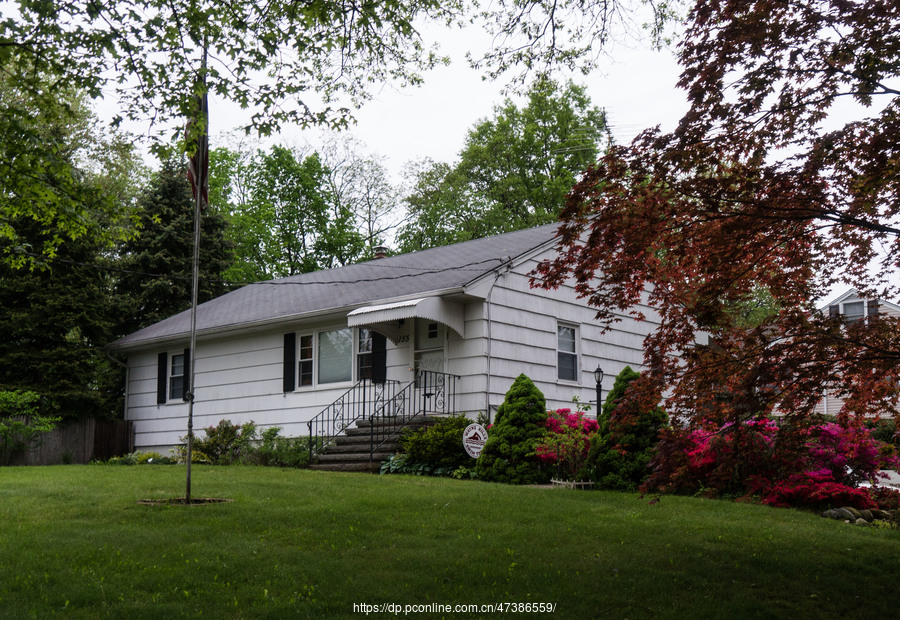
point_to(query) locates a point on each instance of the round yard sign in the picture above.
(473, 439)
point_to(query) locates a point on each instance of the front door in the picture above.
(429, 346)
(429, 356)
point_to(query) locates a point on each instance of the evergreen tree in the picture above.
(509, 454)
(158, 261)
(54, 318)
(621, 450)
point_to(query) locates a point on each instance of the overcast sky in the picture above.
(636, 88)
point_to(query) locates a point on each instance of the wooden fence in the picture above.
(81, 441)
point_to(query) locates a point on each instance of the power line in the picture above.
(413, 272)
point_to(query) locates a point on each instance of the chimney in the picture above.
(380, 251)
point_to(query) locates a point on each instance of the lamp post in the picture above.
(598, 377)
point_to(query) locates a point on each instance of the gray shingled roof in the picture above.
(428, 271)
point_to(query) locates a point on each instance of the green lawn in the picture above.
(75, 543)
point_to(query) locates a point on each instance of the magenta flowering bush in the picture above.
(567, 442)
(813, 467)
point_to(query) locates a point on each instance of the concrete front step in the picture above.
(345, 448)
(350, 451)
(353, 457)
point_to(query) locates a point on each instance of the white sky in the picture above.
(637, 90)
(636, 87)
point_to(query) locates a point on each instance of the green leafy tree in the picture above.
(513, 172)
(59, 171)
(156, 265)
(621, 450)
(22, 423)
(266, 57)
(283, 218)
(56, 310)
(509, 454)
(439, 211)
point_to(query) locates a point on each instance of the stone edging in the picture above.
(856, 516)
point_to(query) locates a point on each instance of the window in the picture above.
(335, 356)
(173, 376)
(318, 358)
(176, 377)
(306, 360)
(332, 356)
(853, 311)
(567, 353)
(364, 358)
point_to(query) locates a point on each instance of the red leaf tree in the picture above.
(761, 193)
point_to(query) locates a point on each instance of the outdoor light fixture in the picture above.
(598, 377)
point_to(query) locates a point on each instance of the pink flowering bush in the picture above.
(812, 467)
(815, 490)
(567, 442)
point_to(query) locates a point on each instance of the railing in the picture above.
(360, 402)
(431, 393)
(388, 408)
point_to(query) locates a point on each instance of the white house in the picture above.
(282, 351)
(851, 306)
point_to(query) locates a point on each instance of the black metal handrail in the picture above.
(431, 393)
(360, 402)
(388, 408)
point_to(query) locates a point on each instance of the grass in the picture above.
(75, 543)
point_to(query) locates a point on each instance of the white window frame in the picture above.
(865, 305)
(576, 335)
(360, 355)
(315, 334)
(171, 396)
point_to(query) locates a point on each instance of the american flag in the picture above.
(198, 164)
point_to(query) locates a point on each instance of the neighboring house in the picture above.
(279, 352)
(851, 307)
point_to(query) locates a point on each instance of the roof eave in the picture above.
(254, 326)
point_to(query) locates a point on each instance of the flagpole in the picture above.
(195, 279)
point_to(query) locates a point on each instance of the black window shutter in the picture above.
(162, 376)
(290, 362)
(379, 358)
(187, 374)
(833, 312)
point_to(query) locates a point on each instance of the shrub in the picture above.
(812, 467)
(402, 464)
(567, 442)
(806, 490)
(277, 451)
(439, 446)
(142, 458)
(885, 497)
(510, 452)
(225, 443)
(21, 423)
(884, 430)
(620, 453)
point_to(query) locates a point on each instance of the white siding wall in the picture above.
(523, 339)
(238, 379)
